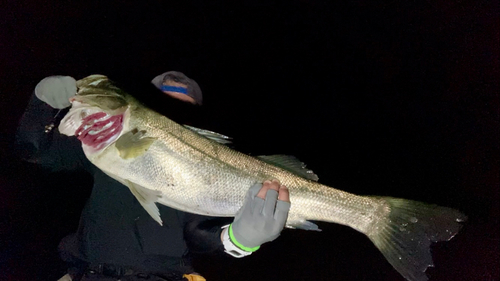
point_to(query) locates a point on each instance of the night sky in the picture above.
(392, 98)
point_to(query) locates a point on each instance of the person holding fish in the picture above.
(118, 237)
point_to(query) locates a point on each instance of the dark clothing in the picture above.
(114, 228)
(107, 272)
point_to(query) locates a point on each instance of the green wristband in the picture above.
(233, 239)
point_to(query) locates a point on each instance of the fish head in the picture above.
(98, 91)
(98, 113)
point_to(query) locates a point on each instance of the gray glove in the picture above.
(258, 221)
(56, 90)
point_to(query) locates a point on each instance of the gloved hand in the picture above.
(260, 220)
(56, 90)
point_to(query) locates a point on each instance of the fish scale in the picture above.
(163, 162)
(319, 199)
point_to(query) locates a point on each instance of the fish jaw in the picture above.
(95, 128)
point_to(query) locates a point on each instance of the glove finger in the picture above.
(257, 206)
(249, 204)
(281, 213)
(270, 202)
(252, 192)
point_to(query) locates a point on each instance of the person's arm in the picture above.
(203, 234)
(38, 139)
(261, 219)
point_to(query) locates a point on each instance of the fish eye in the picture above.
(176, 79)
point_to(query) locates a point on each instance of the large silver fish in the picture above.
(189, 169)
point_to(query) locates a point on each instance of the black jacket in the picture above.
(114, 228)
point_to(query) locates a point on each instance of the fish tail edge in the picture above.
(404, 236)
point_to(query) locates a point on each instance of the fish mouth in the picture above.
(95, 128)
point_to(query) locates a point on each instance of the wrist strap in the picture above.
(230, 247)
(233, 239)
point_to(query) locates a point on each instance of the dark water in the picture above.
(393, 98)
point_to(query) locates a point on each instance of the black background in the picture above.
(393, 98)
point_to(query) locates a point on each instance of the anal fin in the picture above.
(301, 224)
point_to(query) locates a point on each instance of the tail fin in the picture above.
(405, 236)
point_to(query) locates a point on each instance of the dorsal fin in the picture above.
(291, 164)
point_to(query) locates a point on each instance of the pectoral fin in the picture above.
(133, 144)
(147, 199)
